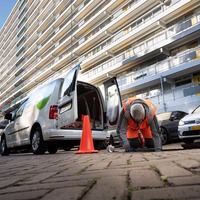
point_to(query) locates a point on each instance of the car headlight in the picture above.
(181, 123)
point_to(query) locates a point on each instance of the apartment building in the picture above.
(151, 46)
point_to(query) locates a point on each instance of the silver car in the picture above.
(189, 127)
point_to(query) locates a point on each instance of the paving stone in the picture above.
(186, 180)
(110, 172)
(172, 169)
(65, 193)
(73, 170)
(78, 178)
(24, 195)
(5, 182)
(50, 186)
(108, 188)
(184, 192)
(188, 163)
(38, 177)
(145, 178)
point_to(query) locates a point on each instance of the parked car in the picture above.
(51, 117)
(169, 125)
(189, 127)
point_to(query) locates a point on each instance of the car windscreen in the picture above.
(197, 110)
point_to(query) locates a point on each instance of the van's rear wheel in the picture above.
(99, 145)
(37, 142)
(111, 141)
(52, 150)
(4, 149)
(67, 148)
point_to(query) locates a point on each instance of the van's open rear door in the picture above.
(113, 102)
(68, 112)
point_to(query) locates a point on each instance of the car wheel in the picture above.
(99, 145)
(111, 140)
(164, 136)
(67, 148)
(105, 143)
(188, 141)
(37, 142)
(52, 150)
(5, 151)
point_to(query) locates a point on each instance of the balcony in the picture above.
(146, 49)
(175, 100)
(179, 65)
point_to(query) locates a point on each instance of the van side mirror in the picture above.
(8, 116)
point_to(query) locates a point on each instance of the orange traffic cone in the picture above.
(86, 145)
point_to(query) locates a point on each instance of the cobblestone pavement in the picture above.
(170, 174)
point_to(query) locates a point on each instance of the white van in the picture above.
(51, 117)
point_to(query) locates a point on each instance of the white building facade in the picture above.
(151, 46)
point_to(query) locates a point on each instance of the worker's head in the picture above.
(137, 113)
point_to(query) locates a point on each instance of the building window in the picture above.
(183, 81)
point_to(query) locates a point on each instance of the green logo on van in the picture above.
(42, 103)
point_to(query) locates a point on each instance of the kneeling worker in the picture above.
(138, 115)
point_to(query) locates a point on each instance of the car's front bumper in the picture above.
(189, 131)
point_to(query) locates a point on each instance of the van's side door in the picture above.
(68, 111)
(113, 103)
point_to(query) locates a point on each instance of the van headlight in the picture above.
(181, 123)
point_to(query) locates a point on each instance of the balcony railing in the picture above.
(172, 62)
(140, 49)
(174, 99)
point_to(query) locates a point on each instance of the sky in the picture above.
(6, 7)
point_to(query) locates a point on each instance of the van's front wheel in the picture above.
(4, 149)
(37, 142)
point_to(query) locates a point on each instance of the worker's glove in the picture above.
(128, 148)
